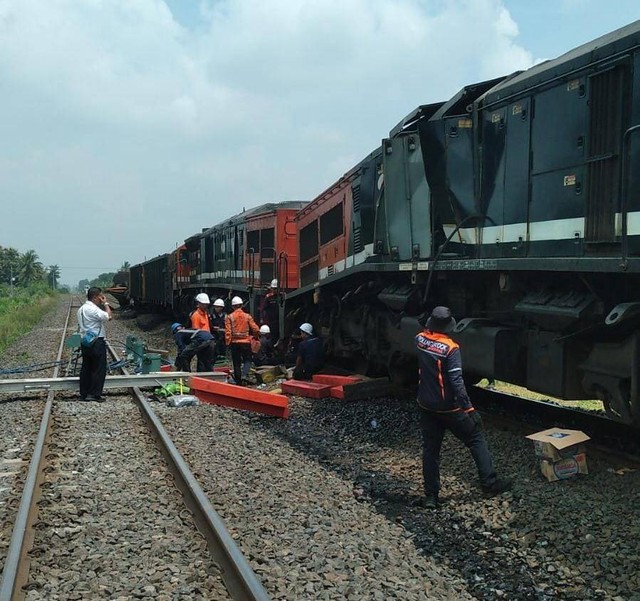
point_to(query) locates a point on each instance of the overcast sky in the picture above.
(127, 126)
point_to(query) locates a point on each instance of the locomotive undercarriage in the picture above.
(571, 336)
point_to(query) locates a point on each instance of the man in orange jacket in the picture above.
(200, 317)
(239, 328)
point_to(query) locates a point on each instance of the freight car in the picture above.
(515, 202)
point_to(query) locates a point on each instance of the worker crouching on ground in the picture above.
(267, 354)
(310, 358)
(200, 317)
(239, 329)
(200, 343)
(445, 405)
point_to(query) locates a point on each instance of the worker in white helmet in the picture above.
(310, 359)
(200, 317)
(266, 354)
(269, 309)
(239, 330)
(217, 319)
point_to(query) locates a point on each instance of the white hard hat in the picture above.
(218, 302)
(265, 329)
(203, 298)
(307, 328)
(236, 300)
(274, 283)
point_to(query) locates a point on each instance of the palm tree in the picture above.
(125, 266)
(31, 269)
(9, 263)
(54, 275)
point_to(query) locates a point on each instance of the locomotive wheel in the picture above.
(614, 394)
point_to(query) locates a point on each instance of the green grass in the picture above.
(18, 314)
(587, 404)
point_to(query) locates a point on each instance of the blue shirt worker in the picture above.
(310, 359)
(200, 343)
(266, 354)
(445, 405)
(217, 320)
(92, 315)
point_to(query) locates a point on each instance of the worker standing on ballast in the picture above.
(445, 405)
(239, 329)
(217, 319)
(200, 317)
(269, 310)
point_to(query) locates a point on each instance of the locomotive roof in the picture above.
(603, 48)
(422, 112)
(325, 194)
(263, 208)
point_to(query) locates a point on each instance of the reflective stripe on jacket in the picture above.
(441, 385)
(239, 327)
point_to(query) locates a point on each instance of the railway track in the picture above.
(101, 513)
(321, 505)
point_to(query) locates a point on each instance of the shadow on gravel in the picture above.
(322, 432)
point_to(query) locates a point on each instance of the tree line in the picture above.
(22, 270)
(25, 269)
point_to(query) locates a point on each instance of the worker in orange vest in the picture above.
(239, 329)
(200, 317)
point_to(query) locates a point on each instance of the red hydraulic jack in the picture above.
(238, 397)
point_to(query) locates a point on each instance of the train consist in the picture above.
(516, 203)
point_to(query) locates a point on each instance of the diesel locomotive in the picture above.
(516, 203)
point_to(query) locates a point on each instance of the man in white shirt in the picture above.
(91, 317)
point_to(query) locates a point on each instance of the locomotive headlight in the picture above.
(504, 282)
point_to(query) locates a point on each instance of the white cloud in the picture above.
(159, 130)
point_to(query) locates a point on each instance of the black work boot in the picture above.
(427, 502)
(500, 485)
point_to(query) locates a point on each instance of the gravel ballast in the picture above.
(322, 505)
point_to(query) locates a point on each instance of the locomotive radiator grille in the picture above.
(603, 164)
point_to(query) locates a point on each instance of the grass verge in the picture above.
(21, 312)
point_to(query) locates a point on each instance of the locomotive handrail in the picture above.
(283, 276)
(252, 255)
(624, 176)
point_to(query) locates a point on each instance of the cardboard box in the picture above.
(558, 443)
(561, 452)
(564, 468)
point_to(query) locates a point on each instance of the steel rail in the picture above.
(16, 567)
(240, 580)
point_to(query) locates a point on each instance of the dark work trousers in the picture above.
(241, 359)
(220, 348)
(302, 372)
(94, 369)
(204, 351)
(434, 425)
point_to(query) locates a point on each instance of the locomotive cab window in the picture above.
(253, 241)
(309, 241)
(331, 224)
(267, 242)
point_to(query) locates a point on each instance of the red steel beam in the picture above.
(239, 397)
